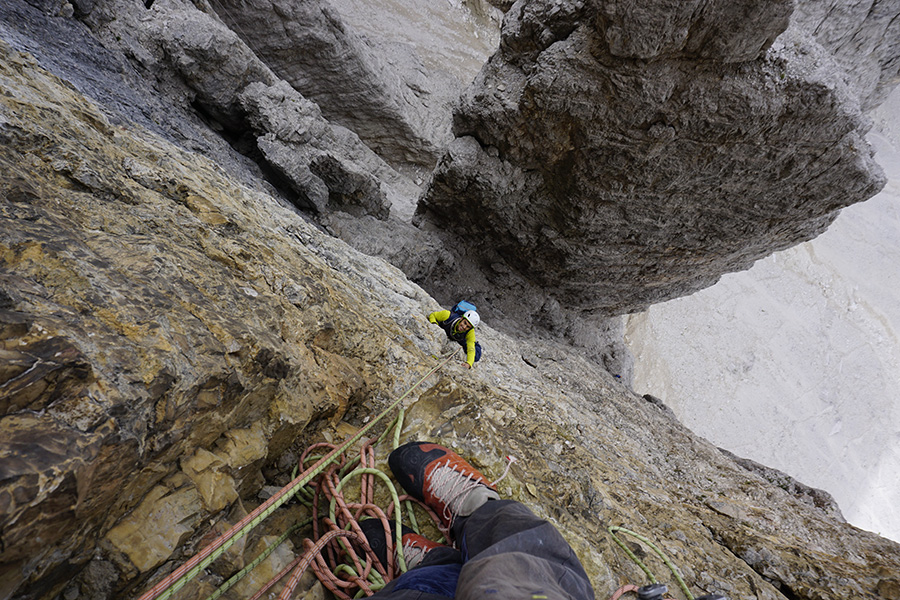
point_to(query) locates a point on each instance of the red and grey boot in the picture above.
(415, 546)
(441, 479)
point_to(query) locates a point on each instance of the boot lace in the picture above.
(451, 487)
(413, 554)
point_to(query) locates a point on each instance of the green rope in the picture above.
(349, 467)
(376, 581)
(398, 530)
(189, 573)
(387, 429)
(399, 427)
(396, 443)
(412, 516)
(632, 556)
(257, 561)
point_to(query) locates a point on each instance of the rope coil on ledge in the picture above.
(176, 580)
(341, 558)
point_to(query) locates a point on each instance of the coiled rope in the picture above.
(351, 568)
(196, 564)
(346, 564)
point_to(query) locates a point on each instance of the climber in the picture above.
(459, 324)
(499, 546)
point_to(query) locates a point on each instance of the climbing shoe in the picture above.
(374, 532)
(415, 546)
(441, 479)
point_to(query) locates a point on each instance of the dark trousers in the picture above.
(506, 553)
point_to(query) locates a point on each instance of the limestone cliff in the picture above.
(621, 154)
(173, 329)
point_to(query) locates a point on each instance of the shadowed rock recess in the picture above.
(178, 316)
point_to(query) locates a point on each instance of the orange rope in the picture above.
(170, 584)
(326, 554)
(301, 562)
(622, 590)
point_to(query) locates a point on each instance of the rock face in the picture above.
(173, 330)
(204, 67)
(162, 337)
(864, 37)
(385, 97)
(613, 155)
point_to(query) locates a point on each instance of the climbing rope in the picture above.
(349, 566)
(623, 590)
(612, 531)
(196, 564)
(346, 565)
(344, 562)
(253, 564)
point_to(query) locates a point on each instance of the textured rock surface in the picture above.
(616, 155)
(864, 37)
(386, 97)
(193, 59)
(313, 154)
(326, 166)
(154, 311)
(170, 329)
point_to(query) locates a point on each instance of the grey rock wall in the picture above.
(383, 94)
(324, 166)
(616, 155)
(226, 99)
(719, 31)
(864, 37)
(172, 332)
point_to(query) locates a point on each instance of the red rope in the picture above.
(622, 590)
(326, 554)
(164, 585)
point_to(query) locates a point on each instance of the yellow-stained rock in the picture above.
(242, 447)
(208, 473)
(155, 529)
